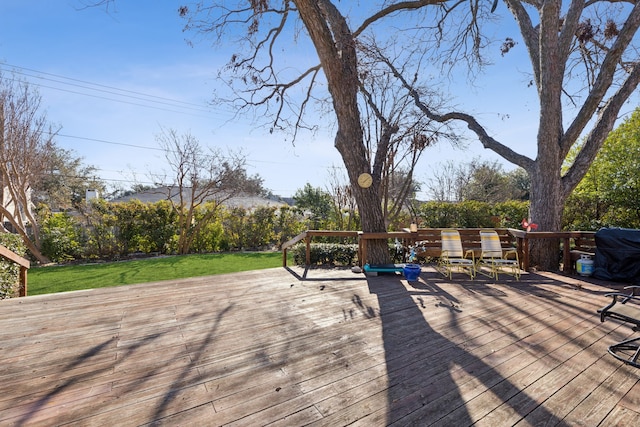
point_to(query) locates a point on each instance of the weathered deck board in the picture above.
(336, 348)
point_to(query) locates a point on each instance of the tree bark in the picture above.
(546, 206)
(335, 45)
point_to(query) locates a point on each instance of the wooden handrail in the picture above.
(565, 236)
(522, 242)
(406, 236)
(24, 266)
(307, 236)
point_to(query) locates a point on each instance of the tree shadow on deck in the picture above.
(345, 273)
(180, 378)
(428, 373)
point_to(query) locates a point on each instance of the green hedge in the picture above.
(10, 271)
(472, 214)
(337, 254)
(61, 237)
(326, 254)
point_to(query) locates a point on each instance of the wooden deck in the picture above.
(289, 347)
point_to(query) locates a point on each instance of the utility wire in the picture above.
(181, 107)
(112, 88)
(108, 142)
(143, 147)
(118, 92)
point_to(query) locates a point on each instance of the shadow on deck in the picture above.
(302, 346)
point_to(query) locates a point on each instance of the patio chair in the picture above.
(627, 351)
(453, 257)
(495, 258)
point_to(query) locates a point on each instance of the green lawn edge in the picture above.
(64, 278)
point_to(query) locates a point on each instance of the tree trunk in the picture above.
(32, 247)
(546, 206)
(547, 198)
(369, 204)
(335, 45)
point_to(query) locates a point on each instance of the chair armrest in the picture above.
(470, 251)
(614, 299)
(622, 295)
(635, 294)
(506, 252)
(635, 289)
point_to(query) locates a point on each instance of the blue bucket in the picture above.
(411, 271)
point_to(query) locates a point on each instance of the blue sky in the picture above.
(112, 80)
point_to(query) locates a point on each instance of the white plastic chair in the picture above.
(495, 258)
(453, 257)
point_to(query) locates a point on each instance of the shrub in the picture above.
(209, 238)
(472, 214)
(259, 230)
(61, 237)
(10, 271)
(100, 224)
(144, 227)
(326, 254)
(437, 214)
(288, 224)
(511, 213)
(234, 220)
(116, 229)
(160, 225)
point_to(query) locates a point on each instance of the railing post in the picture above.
(566, 254)
(307, 240)
(525, 253)
(23, 281)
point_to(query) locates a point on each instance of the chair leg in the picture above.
(444, 269)
(491, 267)
(630, 345)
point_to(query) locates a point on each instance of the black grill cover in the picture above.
(617, 255)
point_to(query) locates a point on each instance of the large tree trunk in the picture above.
(547, 198)
(546, 205)
(368, 200)
(335, 45)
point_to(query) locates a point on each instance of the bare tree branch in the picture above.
(604, 80)
(486, 140)
(26, 150)
(199, 178)
(604, 124)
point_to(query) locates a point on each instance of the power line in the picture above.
(128, 97)
(141, 97)
(143, 147)
(180, 107)
(110, 142)
(170, 102)
(112, 88)
(119, 100)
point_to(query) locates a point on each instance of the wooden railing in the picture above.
(308, 235)
(427, 242)
(24, 266)
(569, 252)
(407, 238)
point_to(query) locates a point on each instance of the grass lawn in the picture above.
(46, 280)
